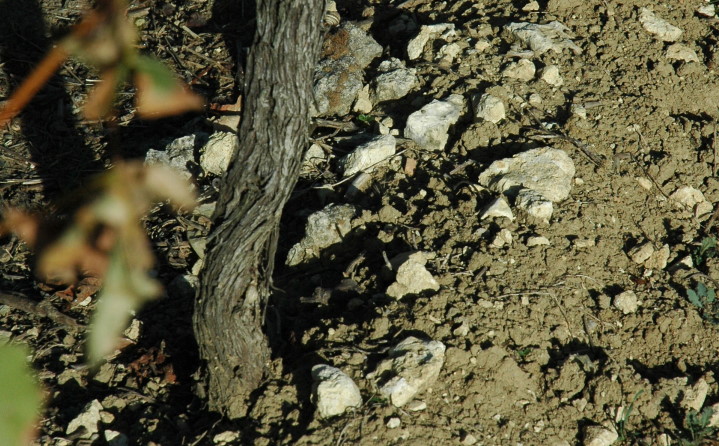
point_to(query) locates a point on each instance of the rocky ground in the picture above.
(504, 234)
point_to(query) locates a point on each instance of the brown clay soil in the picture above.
(537, 353)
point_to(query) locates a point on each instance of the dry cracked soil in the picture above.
(596, 326)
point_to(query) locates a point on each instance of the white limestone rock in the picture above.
(427, 32)
(523, 70)
(333, 391)
(489, 107)
(550, 75)
(324, 228)
(413, 365)
(365, 157)
(599, 436)
(534, 204)
(552, 36)
(679, 51)
(429, 126)
(627, 302)
(546, 171)
(497, 208)
(217, 153)
(412, 277)
(660, 28)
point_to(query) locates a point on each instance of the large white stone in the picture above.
(546, 171)
(216, 154)
(599, 436)
(413, 365)
(334, 392)
(429, 126)
(365, 157)
(662, 29)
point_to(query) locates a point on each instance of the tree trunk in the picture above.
(229, 314)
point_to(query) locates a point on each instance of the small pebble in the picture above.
(394, 423)
(626, 302)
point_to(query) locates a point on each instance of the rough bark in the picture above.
(234, 288)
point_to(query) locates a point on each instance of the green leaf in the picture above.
(162, 77)
(701, 289)
(19, 397)
(694, 298)
(711, 296)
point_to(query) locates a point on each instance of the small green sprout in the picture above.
(707, 250)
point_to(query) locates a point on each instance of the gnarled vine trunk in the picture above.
(234, 287)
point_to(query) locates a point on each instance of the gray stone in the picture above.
(534, 204)
(488, 107)
(215, 156)
(707, 10)
(497, 208)
(334, 392)
(338, 78)
(394, 84)
(660, 28)
(369, 154)
(324, 228)
(427, 32)
(429, 126)
(523, 70)
(413, 365)
(546, 171)
(542, 38)
(412, 277)
(177, 155)
(394, 423)
(88, 419)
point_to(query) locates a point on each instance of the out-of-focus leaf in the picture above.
(19, 397)
(100, 100)
(125, 290)
(159, 93)
(165, 184)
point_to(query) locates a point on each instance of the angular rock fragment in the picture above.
(412, 277)
(662, 29)
(489, 107)
(216, 154)
(497, 208)
(542, 38)
(324, 228)
(679, 51)
(366, 156)
(413, 365)
(339, 75)
(546, 171)
(523, 70)
(333, 391)
(429, 126)
(534, 204)
(427, 32)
